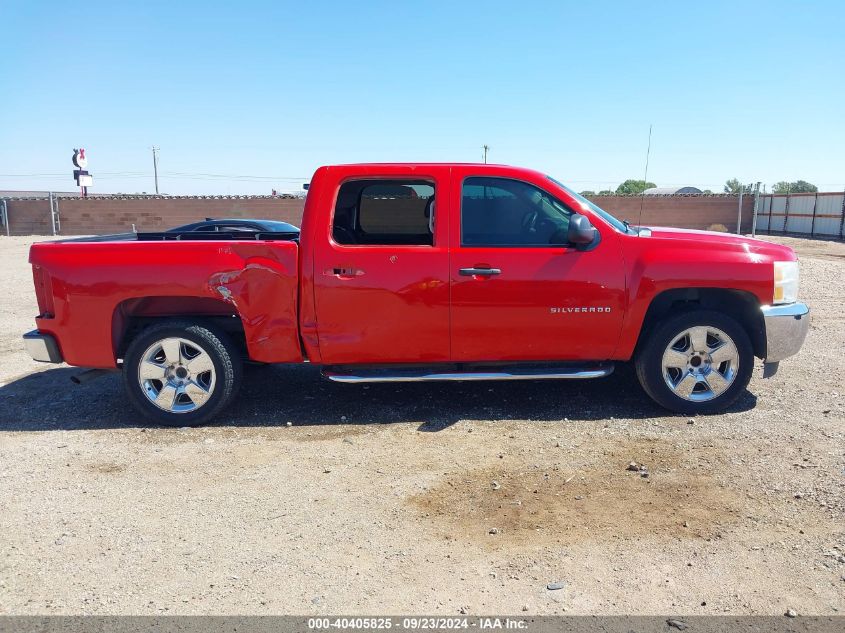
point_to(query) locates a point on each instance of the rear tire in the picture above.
(181, 373)
(696, 362)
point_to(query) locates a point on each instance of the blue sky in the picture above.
(243, 97)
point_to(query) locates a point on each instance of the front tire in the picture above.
(696, 362)
(180, 373)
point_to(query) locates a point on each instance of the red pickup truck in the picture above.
(418, 272)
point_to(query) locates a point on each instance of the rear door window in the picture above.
(372, 212)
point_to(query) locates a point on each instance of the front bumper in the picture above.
(786, 329)
(42, 347)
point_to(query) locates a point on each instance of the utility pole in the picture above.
(155, 165)
(485, 148)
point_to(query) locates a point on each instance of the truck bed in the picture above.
(88, 286)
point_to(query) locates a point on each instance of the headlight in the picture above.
(786, 282)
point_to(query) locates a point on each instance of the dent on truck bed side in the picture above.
(91, 281)
(264, 294)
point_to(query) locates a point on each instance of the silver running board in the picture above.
(423, 375)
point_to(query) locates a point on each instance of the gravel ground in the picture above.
(311, 497)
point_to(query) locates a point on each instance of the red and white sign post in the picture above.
(80, 174)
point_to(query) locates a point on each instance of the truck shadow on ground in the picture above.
(277, 395)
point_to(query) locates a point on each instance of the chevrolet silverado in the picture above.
(421, 272)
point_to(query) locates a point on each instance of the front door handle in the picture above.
(343, 273)
(482, 272)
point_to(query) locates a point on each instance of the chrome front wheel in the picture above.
(700, 363)
(696, 361)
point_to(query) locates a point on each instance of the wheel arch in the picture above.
(739, 304)
(132, 316)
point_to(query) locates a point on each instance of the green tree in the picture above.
(606, 192)
(633, 187)
(799, 186)
(588, 193)
(734, 186)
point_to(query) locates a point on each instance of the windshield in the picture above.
(280, 227)
(612, 221)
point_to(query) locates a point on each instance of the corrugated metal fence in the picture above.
(814, 214)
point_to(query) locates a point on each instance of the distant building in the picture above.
(669, 191)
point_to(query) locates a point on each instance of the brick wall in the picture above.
(686, 212)
(29, 217)
(80, 216)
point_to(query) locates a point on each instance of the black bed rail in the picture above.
(218, 236)
(165, 236)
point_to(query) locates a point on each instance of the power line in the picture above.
(177, 175)
(110, 173)
(172, 174)
(229, 176)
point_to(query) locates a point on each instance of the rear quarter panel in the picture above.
(90, 280)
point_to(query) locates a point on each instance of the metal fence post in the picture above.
(739, 211)
(6, 217)
(754, 213)
(52, 213)
(771, 204)
(842, 221)
(55, 220)
(813, 222)
(786, 213)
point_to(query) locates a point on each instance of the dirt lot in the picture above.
(382, 499)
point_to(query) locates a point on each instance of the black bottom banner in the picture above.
(524, 624)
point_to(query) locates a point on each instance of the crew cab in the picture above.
(421, 272)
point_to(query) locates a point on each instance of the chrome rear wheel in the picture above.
(176, 375)
(181, 373)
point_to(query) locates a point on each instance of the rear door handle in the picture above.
(482, 272)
